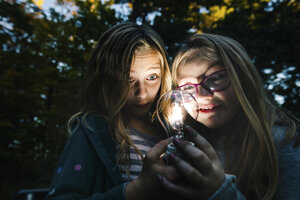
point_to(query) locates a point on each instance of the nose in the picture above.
(141, 91)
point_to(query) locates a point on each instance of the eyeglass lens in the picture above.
(182, 97)
(216, 82)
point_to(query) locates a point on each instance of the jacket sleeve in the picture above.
(289, 171)
(80, 174)
(228, 190)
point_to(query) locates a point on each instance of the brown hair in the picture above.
(106, 84)
(257, 163)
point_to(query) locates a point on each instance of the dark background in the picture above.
(44, 54)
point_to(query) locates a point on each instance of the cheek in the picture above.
(231, 100)
(130, 96)
(155, 88)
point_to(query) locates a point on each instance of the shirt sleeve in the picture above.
(228, 190)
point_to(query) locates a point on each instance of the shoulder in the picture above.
(84, 129)
(89, 141)
(278, 133)
(281, 137)
(89, 123)
(288, 164)
(286, 151)
(91, 129)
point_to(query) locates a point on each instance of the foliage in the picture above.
(268, 29)
(43, 58)
(270, 32)
(44, 54)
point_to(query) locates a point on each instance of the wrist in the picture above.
(133, 190)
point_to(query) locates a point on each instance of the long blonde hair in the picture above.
(105, 87)
(257, 163)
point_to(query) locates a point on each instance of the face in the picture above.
(217, 109)
(145, 81)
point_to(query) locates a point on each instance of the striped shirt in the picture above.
(144, 143)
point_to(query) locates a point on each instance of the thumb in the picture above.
(158, 149)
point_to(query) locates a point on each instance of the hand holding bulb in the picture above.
(147, 186)
(201, 170)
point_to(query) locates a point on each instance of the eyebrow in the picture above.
(157, 66)
(150, 68)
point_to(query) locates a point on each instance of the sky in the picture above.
(48, 4)
(122, 10)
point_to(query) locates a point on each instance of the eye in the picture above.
(152, 77)
(217, 79)
(188, 87)
(131, 81)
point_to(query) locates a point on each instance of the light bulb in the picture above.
(176, 116)
(175, 109)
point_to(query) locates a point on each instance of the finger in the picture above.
(154, 154)
(188, 171)
(200, 142)
(194, 155)
(171, 187)
(169, 171)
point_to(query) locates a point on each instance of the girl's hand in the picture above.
(147, 185)
(203, 172)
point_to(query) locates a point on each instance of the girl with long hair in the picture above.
(246, 146)
(109, 154)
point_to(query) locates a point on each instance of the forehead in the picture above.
(146, 61)
(197, 70)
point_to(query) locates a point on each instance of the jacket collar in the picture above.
(104, 146)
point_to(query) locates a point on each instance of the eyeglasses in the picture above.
(217, 81)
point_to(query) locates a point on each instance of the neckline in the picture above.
(152, 138)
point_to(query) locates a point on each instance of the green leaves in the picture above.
(44, 54)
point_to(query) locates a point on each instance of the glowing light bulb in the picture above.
(174, 109)
(176, 117)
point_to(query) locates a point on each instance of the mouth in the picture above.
(207, 108)
(143, 105)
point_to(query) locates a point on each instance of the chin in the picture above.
(209, 124)
(140, 114)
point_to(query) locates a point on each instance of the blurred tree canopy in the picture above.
(44, 55)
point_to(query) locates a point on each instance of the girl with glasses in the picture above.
(245, 146)
(109, 154)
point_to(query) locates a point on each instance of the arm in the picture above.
(289, 171)
(228, 190)
(80, 174)
(147, 186)
(92, 181)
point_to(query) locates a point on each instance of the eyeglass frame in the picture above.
(204, 86)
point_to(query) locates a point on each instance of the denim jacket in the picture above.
(87, 167)
(289, 173)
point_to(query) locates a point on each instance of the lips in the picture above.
(207, 108)
(142, 105)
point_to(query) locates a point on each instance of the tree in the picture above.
(43, 58)
(44, 55)
(269, 31)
